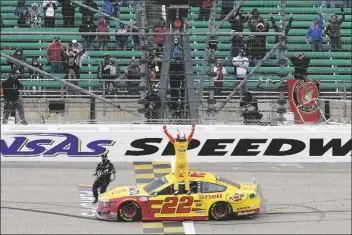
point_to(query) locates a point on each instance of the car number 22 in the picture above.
(177, 205)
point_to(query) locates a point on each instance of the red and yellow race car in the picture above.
(212, 197)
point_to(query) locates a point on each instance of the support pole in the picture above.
(229, 15)
(282, 62)
(112, 103)
(103, 14)
(250, 74)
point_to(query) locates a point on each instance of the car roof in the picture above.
(196, 176)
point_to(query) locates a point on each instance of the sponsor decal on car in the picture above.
(243, 208)
(143, 199)
(210, 196)
(243, 213)
(237, 197)
(133, 190)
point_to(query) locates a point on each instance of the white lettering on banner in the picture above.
(141, 143)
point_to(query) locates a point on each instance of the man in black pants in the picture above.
(11, 88)
(103, 172)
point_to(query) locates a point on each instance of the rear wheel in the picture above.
(220, 211)
(129, 212)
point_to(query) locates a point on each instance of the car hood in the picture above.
(123, 191)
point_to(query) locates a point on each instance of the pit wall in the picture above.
(142, 143)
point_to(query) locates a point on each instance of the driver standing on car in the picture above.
(103, 172)
(181, 146)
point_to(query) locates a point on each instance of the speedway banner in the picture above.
(302, 98)
(148, 143)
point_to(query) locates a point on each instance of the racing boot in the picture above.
(95, 200)
(176, 192)
(188, 192)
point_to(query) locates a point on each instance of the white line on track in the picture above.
(189, 225)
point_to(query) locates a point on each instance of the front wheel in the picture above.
(220, 211)
(129, 212)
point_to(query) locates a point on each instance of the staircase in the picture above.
(153, 10)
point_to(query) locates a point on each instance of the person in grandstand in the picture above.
(108, 73)
(33, 75)
(181, 146)
(159, 39)
(333, 30)
(22, 13)
(86, 12)
(88, 26)
(68, 10)
(241, 64)
(49, 7)
(132, 72)
(153, 105)
(72, 70)
(226, 8)
(253, 49)
(205, 10)
(279, 29)
(300, 63)
(11, 87)
(254, 20)
(107, 8)
(220, 71)
(34, 16)
(237, 44)
(262, 27)
(103, 40)
(176, 53)
(55, 55)
(315, 33)
(122, 39)
(103, 171)
(19, 55)
(78, 51)
(237, 20)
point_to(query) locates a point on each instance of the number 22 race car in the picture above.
(212, 197)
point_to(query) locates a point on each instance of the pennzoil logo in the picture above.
(305, 94)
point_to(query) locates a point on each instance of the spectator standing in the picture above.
(254, 20)
(78, 52)
(19, 55)
(226, 8)
(132, 72)
(68, 13)
(279, 29)
(236, 45)
(237, 20)
(220, 71)
(72, 71)
(121, 40)
(136, 39)
(251, 113)
(86, 12)
(300, 64)
(55, 55)
(253, 49)
(12, 99)
(34, 16)
(241, 64)
(205, 10)
(108, 73)
(103, 39)
(159, 38)
(315, 32)
(262, 27)
(88, 27)
(49, 7)
(107, 8)
(33, 75)
(22, 13)
(333, 30)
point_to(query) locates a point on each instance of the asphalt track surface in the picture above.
(41, 197)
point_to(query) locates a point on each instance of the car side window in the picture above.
(167, 191)
(212, 188)
(170, 189)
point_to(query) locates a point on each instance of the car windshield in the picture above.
(228, 182)
(149, 188)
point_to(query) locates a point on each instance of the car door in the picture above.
(167, 205)
(209, 193)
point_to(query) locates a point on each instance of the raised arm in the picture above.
(190, 136)
(172, 139)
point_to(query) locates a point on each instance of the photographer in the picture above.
(300, 63)
(103, 172)
(333, 30)
(251, 114)
(11, 88)
(49, 7)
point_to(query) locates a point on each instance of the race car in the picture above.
(212, 197)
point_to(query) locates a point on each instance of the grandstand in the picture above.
(333, 69)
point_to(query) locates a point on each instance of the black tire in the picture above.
(220, 211)
(129, 212)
